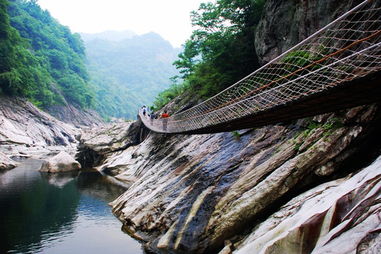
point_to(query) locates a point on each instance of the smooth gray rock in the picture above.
(341, 216)
(6, 163)
(195, 192)
(96, 144)
(62, 162)
(22, 123)
(27, 132)
(79, 118)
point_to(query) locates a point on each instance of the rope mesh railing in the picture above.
(346, 49)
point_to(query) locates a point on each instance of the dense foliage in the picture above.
(41, 59)
(20, 71)
(220, 50)
(128, 72)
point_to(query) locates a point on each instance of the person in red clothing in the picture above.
(165, 117)
(165, 114)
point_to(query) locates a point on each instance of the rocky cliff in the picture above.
(311, 185)
(26, 131)
(193, 194)
(77, 117)
(287, 22)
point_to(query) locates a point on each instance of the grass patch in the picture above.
(236, 135)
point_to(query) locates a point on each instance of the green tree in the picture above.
(20, 72)
(221, 49)
(41, 56)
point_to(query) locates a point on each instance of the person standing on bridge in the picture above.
(165, 117)
(144, 110)
(152, 116)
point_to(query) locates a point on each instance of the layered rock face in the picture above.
(96, 144)
(191, 194)
(76, 117)
(297, 187)
(26, 131)
(286, 23)
(23, 123)
(341, 216)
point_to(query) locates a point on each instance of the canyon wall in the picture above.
(26, 131)
(311, 185)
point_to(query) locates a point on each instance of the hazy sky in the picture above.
(169, 18)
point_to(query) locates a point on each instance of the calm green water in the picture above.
(45, 213)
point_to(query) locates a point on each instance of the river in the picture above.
(59, 213)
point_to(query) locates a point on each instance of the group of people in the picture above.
(147, 112)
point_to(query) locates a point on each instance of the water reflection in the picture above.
(100, 186)
(60, 213)
(59, 179)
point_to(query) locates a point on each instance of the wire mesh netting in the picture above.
(346, 49)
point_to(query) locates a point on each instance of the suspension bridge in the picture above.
(337, 67)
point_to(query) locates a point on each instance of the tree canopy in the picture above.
(220, 50)
(41, 59)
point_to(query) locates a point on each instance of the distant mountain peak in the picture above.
(152, 34)
(129, 73)
(109, 35)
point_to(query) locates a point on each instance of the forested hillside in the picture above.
(127, 70)
(41, 59)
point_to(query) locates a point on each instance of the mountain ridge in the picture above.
(130, 72)
(111, 35)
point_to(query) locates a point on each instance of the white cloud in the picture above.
(169, 18)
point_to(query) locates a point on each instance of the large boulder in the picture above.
(97, 144)
(62, 162)
(111, 138)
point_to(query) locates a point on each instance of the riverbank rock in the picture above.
(6, 163)
(22, 123)
(341, 216)
(293, 187)
(62, 162)
(27, 132)
(97, 143)
(192, 194)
